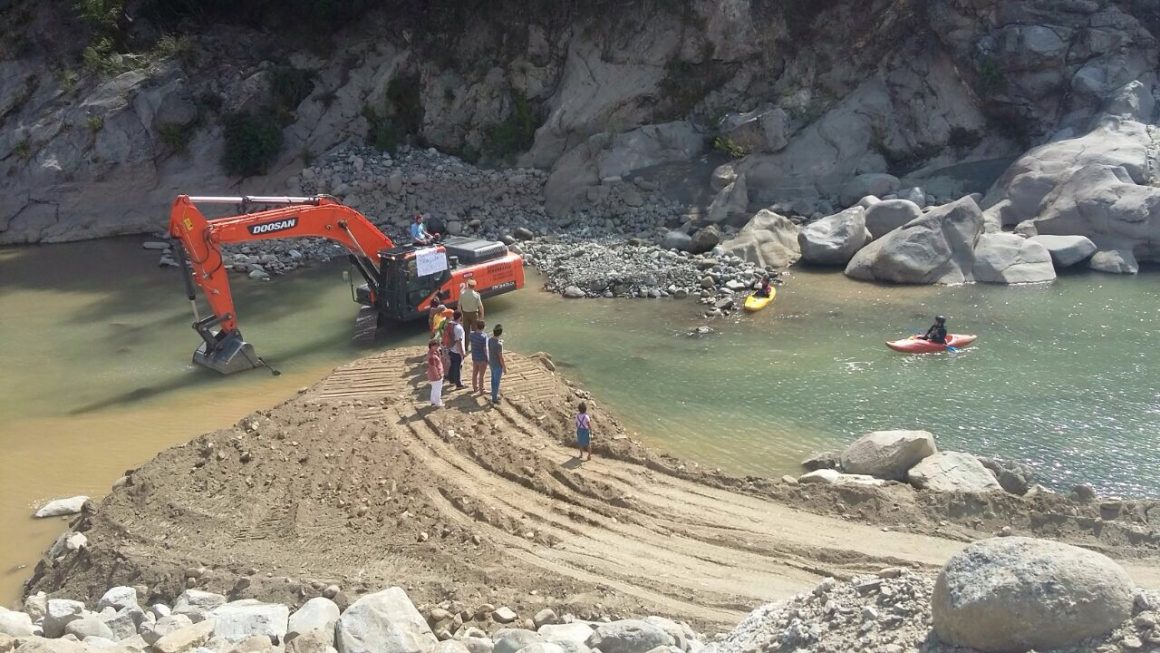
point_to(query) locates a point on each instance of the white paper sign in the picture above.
(430, 261)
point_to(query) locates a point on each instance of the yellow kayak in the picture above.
(753, 303)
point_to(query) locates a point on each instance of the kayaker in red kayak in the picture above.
(937, 332)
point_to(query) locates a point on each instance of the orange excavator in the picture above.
(400, 282)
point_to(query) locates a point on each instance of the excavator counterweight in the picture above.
(400, 283)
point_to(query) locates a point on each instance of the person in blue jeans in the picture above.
(478, 342)
(495, 361)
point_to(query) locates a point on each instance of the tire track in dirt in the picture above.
(357, 481)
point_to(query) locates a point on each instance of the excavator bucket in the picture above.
(228, 355)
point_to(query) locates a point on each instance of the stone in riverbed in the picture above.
(1018, 593)
(834, 477)
(117, 598)
(575, 632)
(1007, 258)
(153, 631)
(511, 640)
(888, 215)
(822, 460)
(545, 617)
(316, 615)
(185, 639)
(88, 626)
(197, 601)
(15, 624)
(240, 619)
(1067, 250)
(59, 507)
(952, 471)
(523, 233)
(835, 239)
(574, 292)
(60, 612)
(384, 621)
(887, 454)
(628, 636)
(312, 642)
(937, 247)
(676, 240)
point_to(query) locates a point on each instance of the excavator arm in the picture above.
(298, 217)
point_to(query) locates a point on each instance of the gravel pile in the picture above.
(613, 249)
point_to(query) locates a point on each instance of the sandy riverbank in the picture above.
(357, 482)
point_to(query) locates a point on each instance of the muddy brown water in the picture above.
(95, 345)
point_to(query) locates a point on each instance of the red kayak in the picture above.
(916, 345)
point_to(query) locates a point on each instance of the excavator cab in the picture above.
(401, 289)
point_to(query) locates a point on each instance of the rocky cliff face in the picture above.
(811, 105)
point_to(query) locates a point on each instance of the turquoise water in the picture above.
(95, 344)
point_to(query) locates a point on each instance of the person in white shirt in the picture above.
(457, 349)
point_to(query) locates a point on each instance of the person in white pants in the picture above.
(435, 372)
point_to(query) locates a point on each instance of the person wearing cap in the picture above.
(471, 304)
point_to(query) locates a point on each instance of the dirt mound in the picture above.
(358, 482)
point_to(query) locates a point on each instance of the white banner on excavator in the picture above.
(430, 261)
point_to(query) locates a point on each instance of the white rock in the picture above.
(887, 454)
(938, 247)
(15, 624)
(58, 507)
(196, 603)
(952, 471)
(117, 598)
(184, 639)
(153, 631)
(834, 477)
(384, 622)
(1067, 250)
(59, 613)
(835, 239)
(574, 292)
(628, 636)
(238, 620)
(36, 605)
(155, 245)
(88, 626)
(1017, 593)
(887, 215)
(316, 615)
(511, 640)
(767, 240)
(576, 632)
(1007, 258)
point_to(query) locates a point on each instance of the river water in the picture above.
(95, 345)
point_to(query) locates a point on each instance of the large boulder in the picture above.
(628, 636)
(952, 471)
(384, 622)
(835, 239)
(705, 239)
(195, 604)
(876, 184)
(1007, 258)
(239, 620)
(938, 247)
(1066, 251)
(1096, 185)
(676, 239)
(756, 132)
(887, 215)
(511, 640)
(887, 454)
(60, 612)
(731, 204)
(1008, 595)
(1115, 260)
(1105, 204)
(768, 240)
(574, 633)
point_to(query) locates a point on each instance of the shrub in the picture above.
(177, 137)
(95, 123)
(289, 86)
(991, 76)
(405, 99)
(252, 143)
(514, 135)
(382, 133)
(728, 146)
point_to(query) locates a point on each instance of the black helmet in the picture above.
(940, 319)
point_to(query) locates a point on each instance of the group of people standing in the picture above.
(454, 335)
(457, 333)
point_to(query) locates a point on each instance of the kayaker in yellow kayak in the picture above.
(765, 289)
